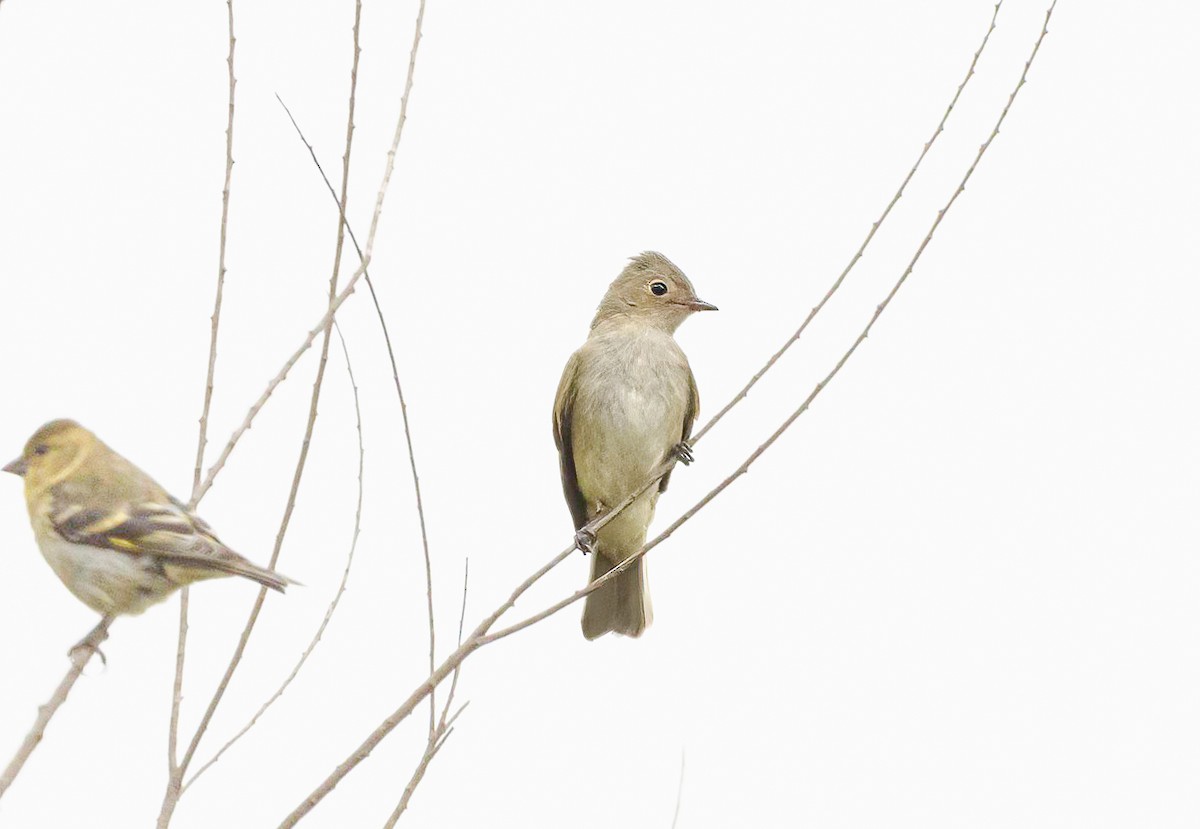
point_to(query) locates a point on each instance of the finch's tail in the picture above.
(265, 577)
(225, 562)
(621, 605)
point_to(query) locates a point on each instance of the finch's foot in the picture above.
(683, 451)
(92, 642)
(585, 540)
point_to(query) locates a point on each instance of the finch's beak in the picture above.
(701, 305)
(18, 467)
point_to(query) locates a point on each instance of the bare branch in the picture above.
(202, 440)
(80, 655)
(333, 605)
(480, 637)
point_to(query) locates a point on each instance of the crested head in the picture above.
(51, 453)
(653, 290)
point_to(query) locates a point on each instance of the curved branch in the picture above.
(387, 338)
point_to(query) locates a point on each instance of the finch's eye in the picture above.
(41, 449)
(658, 288)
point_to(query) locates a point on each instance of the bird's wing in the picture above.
(564, 403)
(689, 418)
(163, 529)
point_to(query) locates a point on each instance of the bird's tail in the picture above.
(265, 577)
(621, 605)
(225, 562)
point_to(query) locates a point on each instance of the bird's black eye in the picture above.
(41, 449)
(658, 288)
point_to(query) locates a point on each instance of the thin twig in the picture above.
(351, 283)
(202, 440)
(462, 617)
(445, 669)
(434, 746)
(403, 407)
(333, 605)
(412, 458)
(737, 398)
(177, 685)
(276, 381)
(679, 791)
(80, 655)
(480, 637)
(439, 735)
(425, 548)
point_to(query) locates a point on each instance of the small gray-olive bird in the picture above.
(626, 401)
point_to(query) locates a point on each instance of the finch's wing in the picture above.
(161, 528)
(564, 403)
(689, 417)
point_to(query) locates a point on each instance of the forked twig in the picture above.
(437, 736)
(351, 283)
(333, 605)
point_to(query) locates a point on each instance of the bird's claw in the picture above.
(92, 643)
(585, 540)
(683, 452)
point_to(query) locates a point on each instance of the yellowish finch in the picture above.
(626, 401)
(117, 540)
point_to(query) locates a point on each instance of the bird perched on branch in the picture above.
(114, 537)
(626, 402)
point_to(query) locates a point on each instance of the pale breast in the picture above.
(632, 393)
(108, 581)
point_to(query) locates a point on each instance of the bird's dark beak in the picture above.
(701, 305)
(18, 467)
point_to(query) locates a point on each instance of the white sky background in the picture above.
(962, 591)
